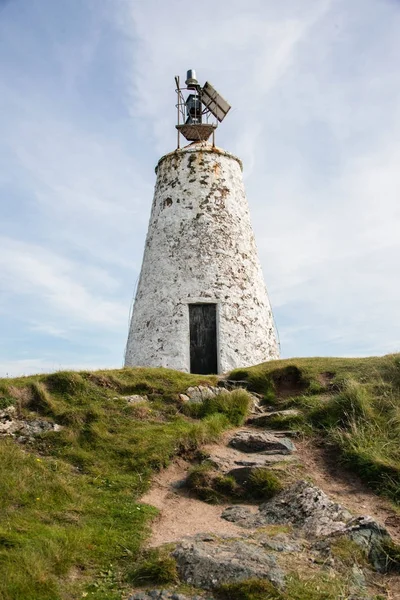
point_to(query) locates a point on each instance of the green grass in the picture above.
(234, 405)
(318, 587)
(70, 520)
(155, 567)
(210, 486)
(351, 403)
(252, 589)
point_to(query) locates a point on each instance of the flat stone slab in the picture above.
(209, 562)
(165, 595)
(257, 441)
(226, 459)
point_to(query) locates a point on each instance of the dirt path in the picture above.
(181, 515)
(345, 487)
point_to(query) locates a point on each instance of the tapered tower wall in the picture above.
(200, 248)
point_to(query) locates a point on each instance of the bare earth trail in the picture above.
(345, 487)
(182, 515)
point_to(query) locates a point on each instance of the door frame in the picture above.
(217, 304)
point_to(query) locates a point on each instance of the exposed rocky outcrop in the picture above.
(200, 393)
(300, 525)
(308, 509)
(165, 595)
(23, 429)
(207, 562)
(256, 441)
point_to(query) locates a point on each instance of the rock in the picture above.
(135, 398)
(281, 543)
(165, 595)
(208, 564)
(202, 392)
(302, 505)
(266, 418)
(8, 413)
(241, 515)
(226, 459)
(23, 428)
(256, 441)
(305, 506)
(369, 535)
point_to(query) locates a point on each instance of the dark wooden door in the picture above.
(203, 338)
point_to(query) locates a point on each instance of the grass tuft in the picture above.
(252, 589)
(263, 484)
(234, 405)
(210, 486)
(355, 402)
(155, 567)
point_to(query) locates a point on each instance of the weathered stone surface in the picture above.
(242, 515)
(207, 563)
(281, 543)
(11, 425)
(302, 505)
(308, 509)
(264, 419)
(369, 535)
(202, 392)
(257, 441)
(165, 595)
(228, 459)
(306, 506)
(200, 247)
(135, 398)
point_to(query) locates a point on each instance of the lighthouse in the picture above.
(201, 304)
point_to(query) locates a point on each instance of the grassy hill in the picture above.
(71, 525)
(353, 404)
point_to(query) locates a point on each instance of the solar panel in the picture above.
(214, 102)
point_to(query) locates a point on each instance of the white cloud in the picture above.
(30, 366)
(55, 283)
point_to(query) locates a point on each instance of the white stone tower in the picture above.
(201, 304)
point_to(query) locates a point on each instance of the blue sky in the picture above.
(87, 108)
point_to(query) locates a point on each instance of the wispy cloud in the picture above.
(86, 109)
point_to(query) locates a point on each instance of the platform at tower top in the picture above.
(199, 147)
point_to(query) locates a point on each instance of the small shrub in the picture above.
(352, 403)
(5, 402)
(204, 481)
(211, 486)
(319, 587)
(156, 567)
(234, 405)
(41, 400)
(66, 383)
(286, 421)
(227, 485)
(252, 589)
(348, 552)
(263, 484)
(391, 551)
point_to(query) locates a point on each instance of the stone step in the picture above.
(226, 459)
(251, 441)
